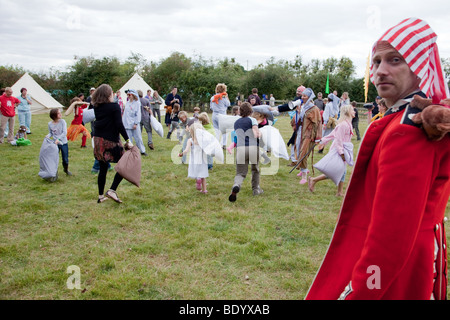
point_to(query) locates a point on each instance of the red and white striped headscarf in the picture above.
(416, 42)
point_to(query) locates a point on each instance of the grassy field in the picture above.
(167, 240)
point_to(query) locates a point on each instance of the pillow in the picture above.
(332, 166)
(129, 166)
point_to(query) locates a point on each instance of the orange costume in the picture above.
(76, 126)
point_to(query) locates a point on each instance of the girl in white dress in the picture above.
(198, 163)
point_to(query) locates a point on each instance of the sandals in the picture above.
(310, 184)
(113, 195)
(101, 199)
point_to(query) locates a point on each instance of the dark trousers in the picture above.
(102, 178)
(355, 125)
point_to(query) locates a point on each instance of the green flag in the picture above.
(327, 88)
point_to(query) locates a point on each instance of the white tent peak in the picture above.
(41, 100)
(137, 83)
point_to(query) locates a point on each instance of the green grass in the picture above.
(166, 241)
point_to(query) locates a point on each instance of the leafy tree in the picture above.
(9, 75)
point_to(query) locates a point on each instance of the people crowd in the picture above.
(310, 118)
(393, 210)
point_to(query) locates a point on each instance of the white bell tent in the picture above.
(137, 83)
(41, 100)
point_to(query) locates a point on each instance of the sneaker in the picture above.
(150, 145)
(234, 191)
(143, 154)
(258, 191)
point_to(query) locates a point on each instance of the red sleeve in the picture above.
(404, 178)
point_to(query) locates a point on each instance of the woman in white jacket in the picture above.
(341, 135)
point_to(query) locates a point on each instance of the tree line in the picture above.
(196, 77)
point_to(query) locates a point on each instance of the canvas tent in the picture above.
(41, 100)
(137, 83)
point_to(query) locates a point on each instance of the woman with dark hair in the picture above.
(107, 145)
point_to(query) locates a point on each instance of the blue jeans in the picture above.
(25, 119)
(96, 166)
(64, 148)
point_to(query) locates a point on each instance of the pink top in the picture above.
(341, 134)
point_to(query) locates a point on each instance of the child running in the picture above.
(198, 164)
(207, 125)
(247, 146)
(341, 135)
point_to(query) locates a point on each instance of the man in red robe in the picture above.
(389, 242)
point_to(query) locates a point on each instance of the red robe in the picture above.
(391, 221)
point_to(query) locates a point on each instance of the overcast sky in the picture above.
(38, 35)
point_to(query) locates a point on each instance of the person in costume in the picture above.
(76, 127)
(309, 126)
(341, 135)
(219, 104)
(389, 241)
(198, 164)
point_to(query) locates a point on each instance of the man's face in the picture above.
(392, 76)
(8, 92)
(299, 92)
(319, 96)
(174, 91)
